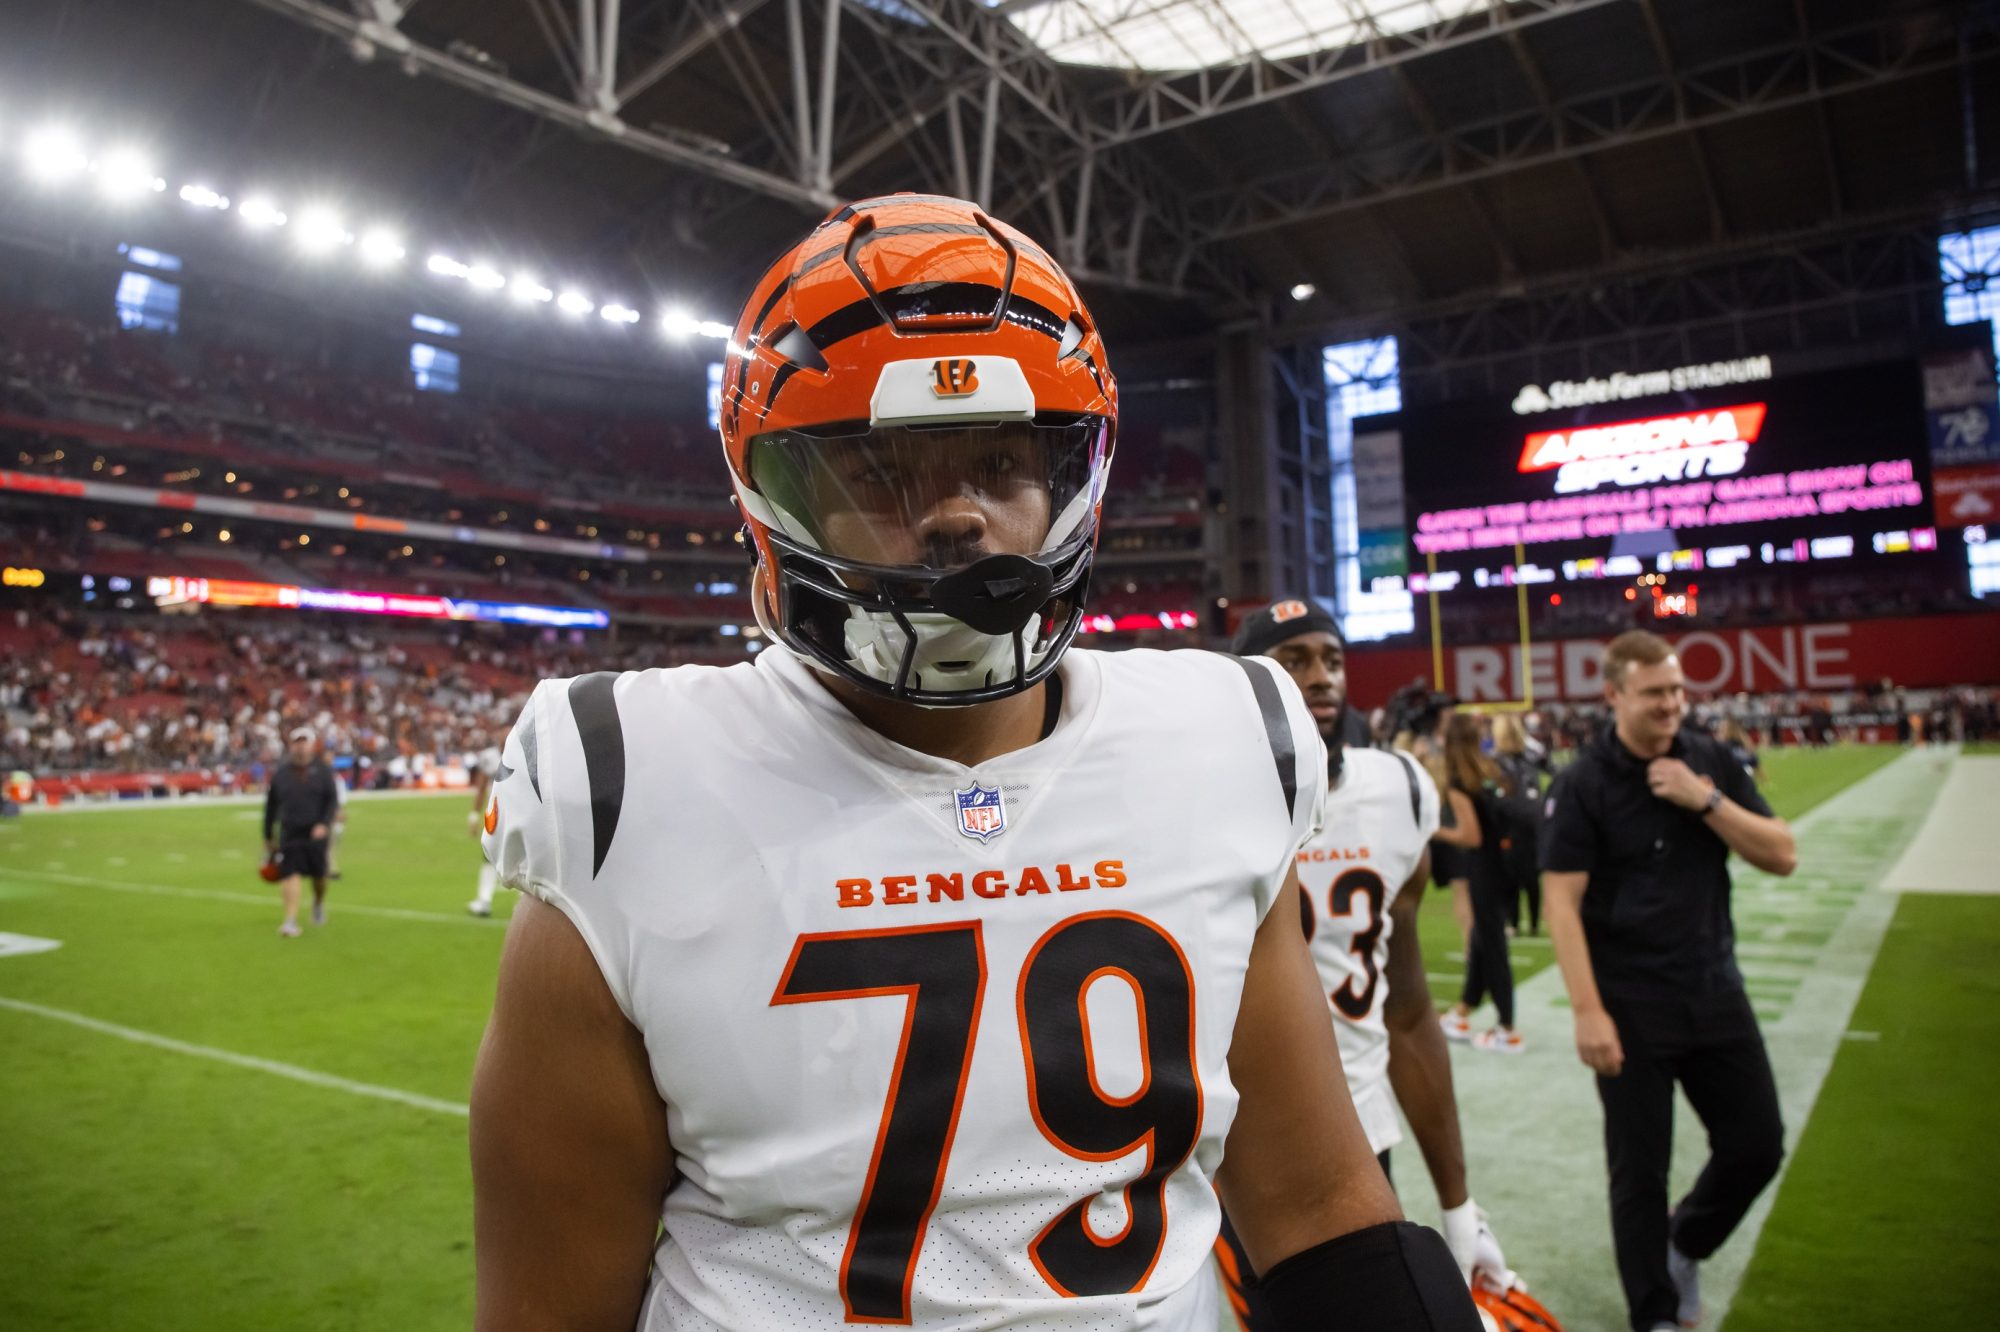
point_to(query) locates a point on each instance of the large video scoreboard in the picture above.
(1764, 471)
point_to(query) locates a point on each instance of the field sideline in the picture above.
(208, 1127)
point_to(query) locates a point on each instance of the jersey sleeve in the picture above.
(523, 838)
(543, 822)
(1299, 758)
(1428, 806)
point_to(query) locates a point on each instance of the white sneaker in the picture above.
(479, 908)
(319, 913)
(1499, 1040)
(1686, 1273)
(1456, 1026)
(289, 930)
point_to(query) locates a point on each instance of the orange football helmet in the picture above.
(919, 420)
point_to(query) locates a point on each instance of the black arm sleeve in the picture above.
(1395, 1277)
(271, 806)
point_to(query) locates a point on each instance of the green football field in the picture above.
(203, 1126)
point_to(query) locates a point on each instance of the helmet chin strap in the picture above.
(950, 655)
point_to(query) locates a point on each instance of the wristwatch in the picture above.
(1714, 802)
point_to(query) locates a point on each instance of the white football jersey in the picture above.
(488, 762)
(939, 1045)
(1378, 821)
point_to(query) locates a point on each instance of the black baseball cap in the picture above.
(1264, 629)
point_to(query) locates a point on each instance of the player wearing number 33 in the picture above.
(921, 972)
(1361, 880)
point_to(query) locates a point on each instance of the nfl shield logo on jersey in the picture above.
(982, 811)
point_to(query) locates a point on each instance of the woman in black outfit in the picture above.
(1475, 785)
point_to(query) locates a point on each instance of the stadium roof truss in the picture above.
(1436, 149)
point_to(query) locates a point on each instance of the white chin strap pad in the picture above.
(951, 656)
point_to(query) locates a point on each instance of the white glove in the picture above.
(1475, 1247)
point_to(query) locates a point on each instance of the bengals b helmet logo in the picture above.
(954, 378)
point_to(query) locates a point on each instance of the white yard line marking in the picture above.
(1956, 851)
(252, 899)
(19, 945)
(306, 1075)
(198, 801)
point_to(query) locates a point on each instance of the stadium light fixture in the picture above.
(1303, 291)
(53, 156)
(260, 213)
(320, 231)
(124, 174)
(446, 266)
(618, 314)
(201, 196)
(710, 328)
(381, 247)
(485, 277)
(678, 323)
(575, 302)
(524, 289)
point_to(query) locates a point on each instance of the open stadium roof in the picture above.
(1377, 155)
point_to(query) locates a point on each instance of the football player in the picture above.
(920, 971)
(1360, 882)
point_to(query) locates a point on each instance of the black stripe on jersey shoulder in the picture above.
(1277, 729)
(1416, 792)
(526, 728)
(595, 706)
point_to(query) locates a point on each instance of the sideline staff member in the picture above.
(1635, 887)
(298, 812)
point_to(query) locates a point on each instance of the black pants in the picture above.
(1712, 1047)
(1487, 967)
(298, 853)
(1239, 1279)
(1523, 881)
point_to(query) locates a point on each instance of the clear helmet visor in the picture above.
(946, 563)
(933, 499)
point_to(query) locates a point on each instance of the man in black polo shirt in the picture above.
(299, 810)
(1635, 887)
